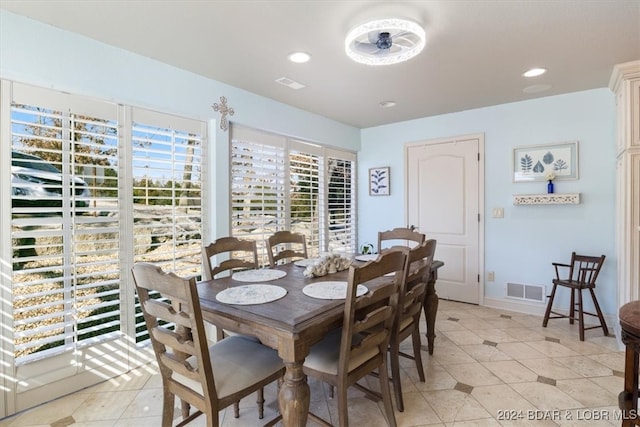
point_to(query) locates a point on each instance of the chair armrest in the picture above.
(559, 264)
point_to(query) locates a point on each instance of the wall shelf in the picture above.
(546, 199)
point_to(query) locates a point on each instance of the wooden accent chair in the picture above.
(285, 245)
(583, 272)
(360, 347)
(243, 255)
(209, 378)
(400, 235)
(407, 323)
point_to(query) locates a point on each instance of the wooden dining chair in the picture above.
(285, 245)
(360, 347)
(208, 378)
(582, 271)
(242, 255)
(407, 323)
(399, 236)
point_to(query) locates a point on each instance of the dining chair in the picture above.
(399, 236)
(285, 245)
(360, 347)
(407, 322)
(583, 271)
(209, 378)
(242, 255)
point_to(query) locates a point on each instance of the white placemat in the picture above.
(258, 275)
(366, 257)
(331, 290)
(251, 294)
(305, 262)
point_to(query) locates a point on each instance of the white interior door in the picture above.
(444, 188)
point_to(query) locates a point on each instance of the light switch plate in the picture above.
(498, 212)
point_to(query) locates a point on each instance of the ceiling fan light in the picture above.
(412, 35)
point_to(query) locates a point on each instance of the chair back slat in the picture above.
(242, 253)
(285, 245)
(585, 269)
(401, 235)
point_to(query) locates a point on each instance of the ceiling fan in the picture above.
(385, 42)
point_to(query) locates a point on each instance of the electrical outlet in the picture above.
(491, 276)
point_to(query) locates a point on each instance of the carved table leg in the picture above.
(430, 311)
(293, 398)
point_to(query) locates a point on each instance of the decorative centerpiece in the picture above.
(328, 264)
(550, 176)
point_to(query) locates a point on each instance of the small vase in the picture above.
(550, 187)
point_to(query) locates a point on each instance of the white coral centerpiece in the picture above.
(328, 264)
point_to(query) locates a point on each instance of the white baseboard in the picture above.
(538, 309)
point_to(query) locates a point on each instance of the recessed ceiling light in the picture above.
(385, 42)
(299, 57)
(387, 104)
(534, 72)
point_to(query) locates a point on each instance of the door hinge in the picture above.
(478, 156)
(478, 217)
(478, 278)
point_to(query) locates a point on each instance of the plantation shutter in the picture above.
(278, 183)
(65, 224)
(305, 164)
(167, 156)
(257, 186)
(341, 202)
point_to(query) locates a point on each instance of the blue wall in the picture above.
(520, 247)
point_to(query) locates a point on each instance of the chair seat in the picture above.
(237, 362)
(573, 284)
(324, 356)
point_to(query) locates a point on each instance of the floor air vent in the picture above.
(526, 292)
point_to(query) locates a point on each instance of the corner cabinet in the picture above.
(625, 83)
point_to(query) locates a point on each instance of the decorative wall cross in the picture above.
(224, 110)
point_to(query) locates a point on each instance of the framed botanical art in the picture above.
(379, 181)
(537, 162)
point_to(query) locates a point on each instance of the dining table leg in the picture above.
(294, 396)
(430, 311)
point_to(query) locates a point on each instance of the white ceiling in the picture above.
(475, 54)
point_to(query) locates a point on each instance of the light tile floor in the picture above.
(489, 368)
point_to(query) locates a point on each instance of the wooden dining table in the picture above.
(291, 325)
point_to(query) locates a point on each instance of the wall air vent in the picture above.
(285, 81)
(526, 292)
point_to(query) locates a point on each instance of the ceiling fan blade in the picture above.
(366, 48)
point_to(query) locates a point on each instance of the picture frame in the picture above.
(533, 162)
(379, 181)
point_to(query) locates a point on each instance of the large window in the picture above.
(94, 187)
(65, 225)
(279, 183)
